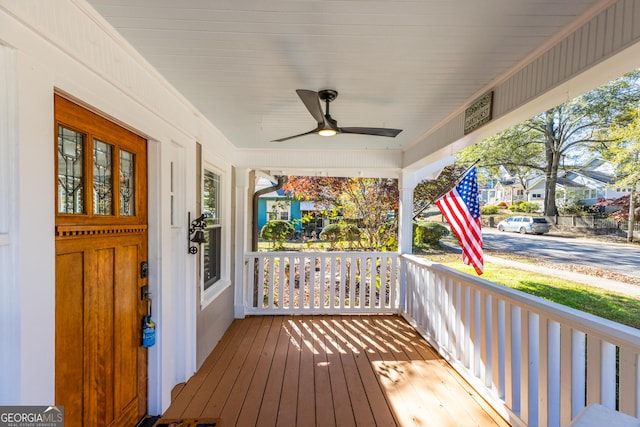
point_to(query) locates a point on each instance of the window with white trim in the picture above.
(278, 210)
(212, 248)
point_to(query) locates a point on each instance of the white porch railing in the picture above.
(537, 362)
(321, 282)
(541, 361)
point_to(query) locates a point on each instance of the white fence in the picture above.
(542, 362)
(537, 362)
(321, 282)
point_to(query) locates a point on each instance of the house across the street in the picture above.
(579, 185)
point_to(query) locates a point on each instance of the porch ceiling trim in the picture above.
(363, 163)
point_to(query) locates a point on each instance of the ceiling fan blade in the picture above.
(372, 131)
(312, 102)
(295, 136)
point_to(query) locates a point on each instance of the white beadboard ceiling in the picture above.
(398, 64)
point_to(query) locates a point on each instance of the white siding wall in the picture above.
(9, 292)
(63, 46)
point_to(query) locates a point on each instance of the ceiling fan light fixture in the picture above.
(327, 126)
(327, 132)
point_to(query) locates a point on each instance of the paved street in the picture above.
(617, 257)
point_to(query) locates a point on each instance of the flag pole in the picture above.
(455, 182)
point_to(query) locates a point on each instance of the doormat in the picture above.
(189, 422)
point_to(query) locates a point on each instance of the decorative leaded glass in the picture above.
(127, 181)
(102, 178)
(70, 171)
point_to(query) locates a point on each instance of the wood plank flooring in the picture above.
(329, 371)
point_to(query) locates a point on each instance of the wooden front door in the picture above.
(101, 241)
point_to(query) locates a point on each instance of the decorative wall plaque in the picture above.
(479, 113)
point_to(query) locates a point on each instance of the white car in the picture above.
(525, 224)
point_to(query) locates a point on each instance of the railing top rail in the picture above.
(583, 321)
(323, 253)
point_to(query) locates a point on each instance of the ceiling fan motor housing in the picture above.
(328, 95)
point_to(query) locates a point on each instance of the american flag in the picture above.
(461, 208)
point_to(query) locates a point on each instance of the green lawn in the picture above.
(609, 305)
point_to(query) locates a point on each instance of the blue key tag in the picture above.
(148, 332)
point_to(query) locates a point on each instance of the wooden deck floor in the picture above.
(329, 371)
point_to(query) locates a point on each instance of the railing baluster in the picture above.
(448, 319)
(497, 343)
(281, 281)
(271, 283)
(310, 281)
(368, 288)
(352, 281)
(534, 368)
(260, 283)
(457, 321)
(516, 355)
(486, 338)
(383, 290)
(608, 375)
(476, 315)
(332, 282)
(343, 281)
(524, 366)
(566, 373)
(360, 282)
(467, 314)
(594, 370)
(323, 282)
(629, 360)
(543, 379)
(292, 282)
(553, 374)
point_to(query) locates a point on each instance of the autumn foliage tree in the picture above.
(370, 202)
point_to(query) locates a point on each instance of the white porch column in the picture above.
(408, 181)
(242, 216)
(406, 184)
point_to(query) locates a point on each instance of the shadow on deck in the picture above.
(327, 371)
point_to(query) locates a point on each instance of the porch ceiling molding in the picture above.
(354, 163)
(598, 50)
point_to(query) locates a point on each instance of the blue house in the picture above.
(279, 205)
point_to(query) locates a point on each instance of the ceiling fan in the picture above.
(327, 126)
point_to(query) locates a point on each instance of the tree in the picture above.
(510, 149)
(624, 152)
(277, 231)
(427, 191)
(371, 202)
(566, 130)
